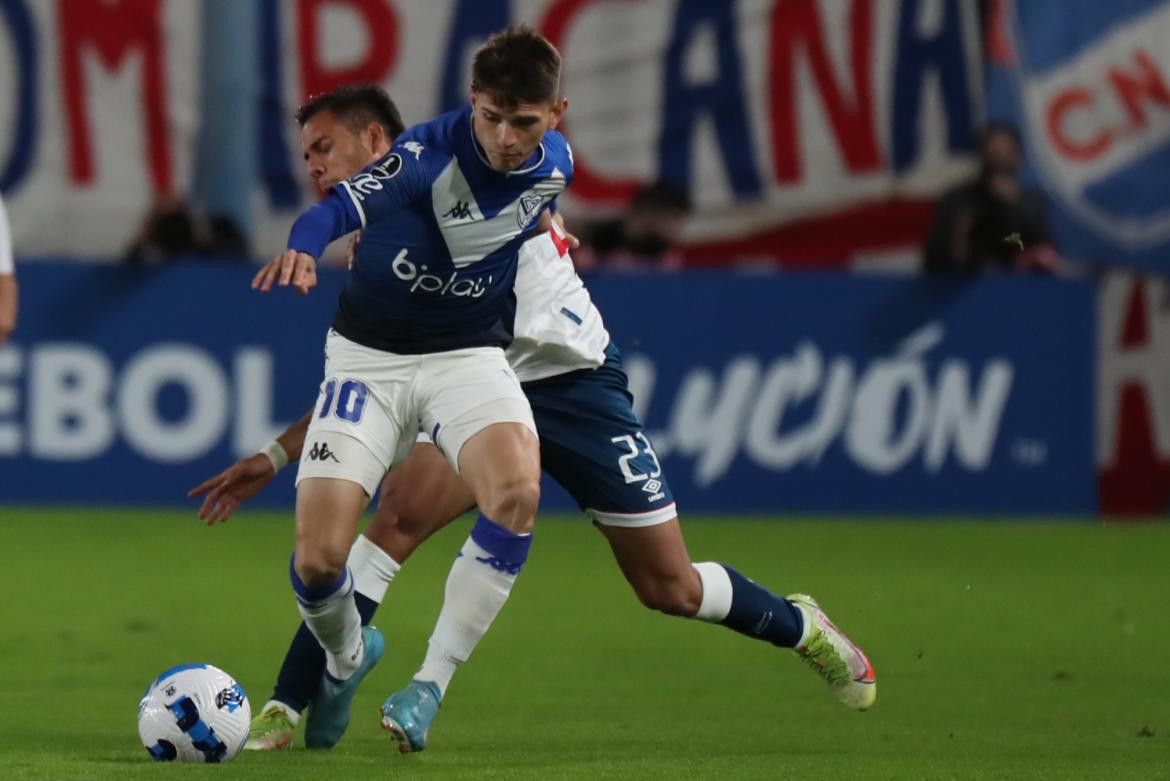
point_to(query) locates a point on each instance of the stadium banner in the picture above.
(804, 392)
(819, 130)
(1092, 95)
(1133, 401)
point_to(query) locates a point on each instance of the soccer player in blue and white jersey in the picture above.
(418, 335)
(591, 442)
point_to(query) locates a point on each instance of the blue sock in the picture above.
(757, 612)
(300, 673)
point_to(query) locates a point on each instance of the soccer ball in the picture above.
(194, 713)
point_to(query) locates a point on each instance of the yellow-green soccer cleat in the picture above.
(835, 658)
(271, 730)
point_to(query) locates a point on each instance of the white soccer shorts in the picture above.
(373, 404)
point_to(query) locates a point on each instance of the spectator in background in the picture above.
(173, 229)
(992, 223)
(8, 304)
(645, 239)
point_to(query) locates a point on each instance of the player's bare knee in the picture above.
(513, 504)
(317, 568)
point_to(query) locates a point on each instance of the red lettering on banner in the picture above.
(1066, 101)
(797, 24)
(587, 185)
(1147, 83)
(1138, 481)
(113, 28)
(382, 28)
(997, 43)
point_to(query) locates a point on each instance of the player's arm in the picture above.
(249, 476)
(8, 306)
(551, 216)
(377, 191)
(8, 289)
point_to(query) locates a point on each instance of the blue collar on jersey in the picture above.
(483, 155)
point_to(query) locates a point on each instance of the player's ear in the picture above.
(559, 107)
(374, 135)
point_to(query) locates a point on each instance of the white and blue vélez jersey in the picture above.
(441, 230)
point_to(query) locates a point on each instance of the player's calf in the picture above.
(680, 595)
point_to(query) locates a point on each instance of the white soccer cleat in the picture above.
(835, 658)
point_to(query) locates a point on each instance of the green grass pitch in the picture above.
(1003, 650)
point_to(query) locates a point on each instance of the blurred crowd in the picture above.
(989, 223)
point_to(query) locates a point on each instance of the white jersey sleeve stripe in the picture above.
(357, 204)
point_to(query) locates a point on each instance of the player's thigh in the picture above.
(419, 496)
(327, 515)
(593, 445)
(477, 414)
(350, 443)
(501, 466)
(364, 416)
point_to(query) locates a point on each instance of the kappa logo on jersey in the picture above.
(369, 182)
(415, 147)
(460, 211)
(454, 285)
(529, 204)
(1098, 115)
(321, 452)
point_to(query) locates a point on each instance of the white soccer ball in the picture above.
(194, 713)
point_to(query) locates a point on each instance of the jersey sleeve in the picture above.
(380, 189)
(560, 153)
(385, 187)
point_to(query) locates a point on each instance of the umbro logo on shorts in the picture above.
(321, 452)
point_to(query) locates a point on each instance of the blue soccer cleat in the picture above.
(329, 711)
(407, 715)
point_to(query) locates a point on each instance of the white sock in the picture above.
(332, 617)
(372, 568)
(293, 716)
(716, 603)
(477, 588)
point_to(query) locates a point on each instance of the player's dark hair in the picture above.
(357, 105)
(517, 65)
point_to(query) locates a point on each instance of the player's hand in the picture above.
(546, 221)
(298, 268)
(232, 487)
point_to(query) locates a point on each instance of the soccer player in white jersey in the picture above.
(418, 335)
(8, 305)
(591, 442)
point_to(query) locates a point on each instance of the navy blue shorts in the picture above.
(592, 443)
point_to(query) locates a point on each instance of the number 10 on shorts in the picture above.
(351, 400)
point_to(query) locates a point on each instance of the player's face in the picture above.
(509, 136)
(333, 152)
